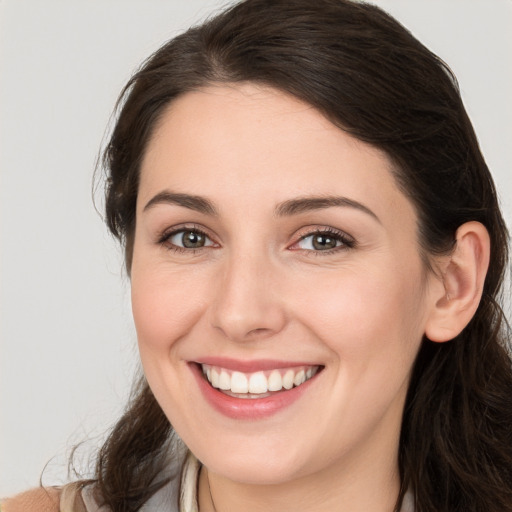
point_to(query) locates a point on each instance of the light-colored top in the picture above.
(176, 496)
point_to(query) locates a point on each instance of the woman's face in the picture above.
(272, 247)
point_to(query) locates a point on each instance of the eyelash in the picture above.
(164, 239)
(346, 242)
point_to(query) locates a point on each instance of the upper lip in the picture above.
(252, 365)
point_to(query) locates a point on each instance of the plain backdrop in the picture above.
(68, 348)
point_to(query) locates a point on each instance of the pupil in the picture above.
(323, 242)
(192, 240)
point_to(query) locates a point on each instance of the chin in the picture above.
(260, 461)
(255, 470)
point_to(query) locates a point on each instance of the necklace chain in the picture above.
(210, 491)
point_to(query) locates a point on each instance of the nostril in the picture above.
(258, 331)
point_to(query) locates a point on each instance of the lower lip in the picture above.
(248, 408)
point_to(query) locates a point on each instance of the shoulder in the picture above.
(42, 499)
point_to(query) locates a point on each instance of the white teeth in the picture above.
(299, 378)
(239, 383)
(288, 379)
(224, 380)
(275, 381)
(215, 378)
(257, 383)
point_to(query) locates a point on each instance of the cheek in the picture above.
(165, 306)
(366, 312)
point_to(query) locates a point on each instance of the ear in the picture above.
(458, 295)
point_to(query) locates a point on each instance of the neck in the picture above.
(369, 487)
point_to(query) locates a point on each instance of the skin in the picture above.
(259, 292)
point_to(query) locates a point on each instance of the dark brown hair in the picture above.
(368, 75)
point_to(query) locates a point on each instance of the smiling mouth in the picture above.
(259, 384)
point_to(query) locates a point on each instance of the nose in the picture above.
(247, 305)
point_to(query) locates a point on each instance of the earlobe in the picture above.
(463, 277)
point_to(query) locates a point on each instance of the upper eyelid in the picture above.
(164, 239)
(168, 232)
(347, 241)
(311, 230)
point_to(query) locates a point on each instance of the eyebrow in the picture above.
(306, 204)
(285, 209)
(197, 203)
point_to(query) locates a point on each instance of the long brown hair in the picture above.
(368, 75)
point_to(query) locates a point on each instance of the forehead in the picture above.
(251, 143)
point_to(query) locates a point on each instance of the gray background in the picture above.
(68, 349)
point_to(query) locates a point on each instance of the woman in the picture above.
(316, 253)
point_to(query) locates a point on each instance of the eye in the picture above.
(187, 238)
(324, 240)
